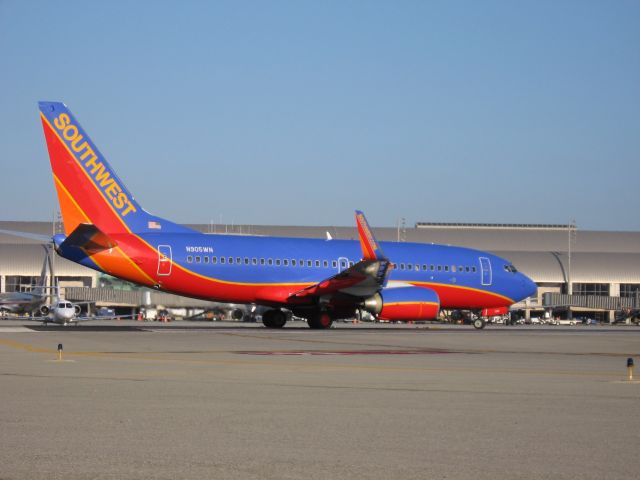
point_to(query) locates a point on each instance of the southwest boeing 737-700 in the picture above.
(320, 280)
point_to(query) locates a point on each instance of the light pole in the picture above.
(571, 230)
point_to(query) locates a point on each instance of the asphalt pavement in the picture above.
(200, 400)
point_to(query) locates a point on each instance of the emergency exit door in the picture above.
(164, 260)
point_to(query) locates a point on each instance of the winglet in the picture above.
(370, 248)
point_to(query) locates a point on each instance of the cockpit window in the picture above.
(511, 269)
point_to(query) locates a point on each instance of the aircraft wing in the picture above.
(362, 279)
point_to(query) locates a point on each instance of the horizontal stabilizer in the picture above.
(89, 238)
(28, 235)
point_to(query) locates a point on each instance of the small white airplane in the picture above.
(64, 312)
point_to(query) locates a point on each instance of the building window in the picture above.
(629, 290)
(591, 289)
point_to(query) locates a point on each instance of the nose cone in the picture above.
(529, 287)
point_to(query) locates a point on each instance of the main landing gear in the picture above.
(320, 320)
(274, 318)
(479, 323)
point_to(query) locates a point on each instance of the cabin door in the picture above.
(164, 260)
(485, 269)
(343, 264)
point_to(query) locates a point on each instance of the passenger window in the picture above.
(262, 261)
(325, 263)
(317, 263)
(222, 260)
(402, 266)
(473, 269)
(205, 259)
(254, 261)
(409, 266)
(238, 260)
(334, 264)
(214, 260)
(453, 268)
(439, 268)
(270, 261)
(466, 269)
(446, 268)
(189, 259)
(230, 262)
(277, 262)
(246, 260)
(293, 262)
(432, 268)
(424, 267)
(197, 258)
(309, 263)
(285, 262)
(351, 264)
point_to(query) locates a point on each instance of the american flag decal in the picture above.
(154, 225)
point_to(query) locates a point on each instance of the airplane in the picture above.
(34, 300)
(321, 280)
(64, 312)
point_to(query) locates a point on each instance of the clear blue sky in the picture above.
(299, 112)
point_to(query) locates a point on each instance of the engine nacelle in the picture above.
(409, 303)
(494, 312)
(77, 309)
(237, 314)
(44, 310)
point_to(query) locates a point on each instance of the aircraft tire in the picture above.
(479, 323)
(320, 321)
(274, 319)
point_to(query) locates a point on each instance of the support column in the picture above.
(614, 291)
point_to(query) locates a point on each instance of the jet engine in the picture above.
(77, 309)
(44, 310)
(404, 304)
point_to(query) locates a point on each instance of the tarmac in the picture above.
(187, 400)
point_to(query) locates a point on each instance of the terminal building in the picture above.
(573, 268)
